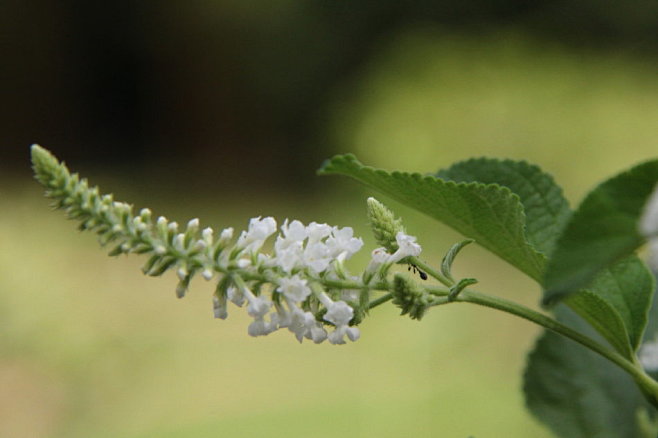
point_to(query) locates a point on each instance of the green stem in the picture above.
(380, 300)
(431, 271)
(647, 384)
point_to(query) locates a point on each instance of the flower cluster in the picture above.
(303, 285)
(304, 260)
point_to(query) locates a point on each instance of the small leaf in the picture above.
(577, 393)
(603, 318)
(446, 263)
(601, 231)
(460, 286)
(489, 213)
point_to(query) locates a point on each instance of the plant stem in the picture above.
(431, 271)
(380, 300)
(647, 384)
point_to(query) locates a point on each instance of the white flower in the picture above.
(260, 327)
(293, 232)
(378, 257)
(317, 232)
(235, 295)
(290, 246)
(289, 258)
(304, 325)
(294, 288)
(259, 230)
(339, 313)
(338, 335)
(317, 256)
(648, 355)
(342, 241)
(407, 247)
(258, 306)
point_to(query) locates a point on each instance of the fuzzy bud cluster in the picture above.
(409, 297)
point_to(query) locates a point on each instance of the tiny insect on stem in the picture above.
(421, 274)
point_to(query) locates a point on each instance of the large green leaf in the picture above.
(489, 213)
(601, 231)
(546, 210)
(578, 393)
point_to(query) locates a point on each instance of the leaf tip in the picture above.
(329, 165)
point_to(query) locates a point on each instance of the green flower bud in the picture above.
(385, 226)
(409, 297)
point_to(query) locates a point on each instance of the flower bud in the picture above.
(384, 224)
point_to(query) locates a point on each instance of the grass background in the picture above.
(91, 347)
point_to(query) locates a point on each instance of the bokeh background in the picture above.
(223, 110)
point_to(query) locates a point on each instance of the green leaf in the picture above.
(489, 213)
(546, 210)
(627, 286)
(603, 318)
(449, 258)
(601, 231)
(579, 394)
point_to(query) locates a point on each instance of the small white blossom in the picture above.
(378, 257)
(259, 230)
(339, 313)
(258, 306)
(317, 256)
(338, 336)
(407, 247)
(294, 288)
(304, 325)
(317, 232)
(289, 258)
(294, 231)
(235, 295)
(260, 327)
(342, 241)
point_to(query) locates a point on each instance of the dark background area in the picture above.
(224, 88)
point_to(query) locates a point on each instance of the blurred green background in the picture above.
(223, 110)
